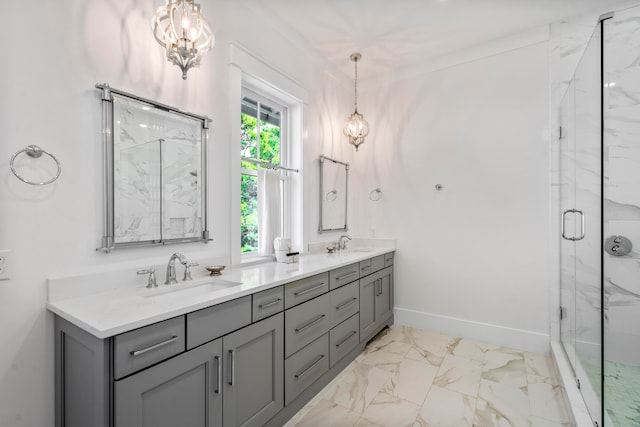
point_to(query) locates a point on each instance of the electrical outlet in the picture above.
(5, 264)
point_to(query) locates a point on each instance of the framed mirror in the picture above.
(334, 185)
(155, 172)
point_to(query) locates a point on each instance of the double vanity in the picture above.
(248, 349)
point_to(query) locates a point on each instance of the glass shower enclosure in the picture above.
(600, 214)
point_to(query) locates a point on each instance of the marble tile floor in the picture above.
(417, 378)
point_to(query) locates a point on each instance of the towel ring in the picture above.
(34, 152)
(375, 194)
(331, 195)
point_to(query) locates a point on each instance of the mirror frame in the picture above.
(108, 137)
(321, 228)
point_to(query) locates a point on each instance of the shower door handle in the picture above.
(582, 229)
(563, 224)
(582, 225)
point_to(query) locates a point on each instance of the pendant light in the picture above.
(180, 28)
(356, 127)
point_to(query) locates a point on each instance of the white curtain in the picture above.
(269, 207)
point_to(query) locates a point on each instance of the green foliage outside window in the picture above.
(269, 152)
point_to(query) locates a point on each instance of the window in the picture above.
(263, 143)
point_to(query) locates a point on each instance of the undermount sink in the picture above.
(179, 291)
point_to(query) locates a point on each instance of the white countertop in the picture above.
(107, 311)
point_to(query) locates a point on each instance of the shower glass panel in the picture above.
(600, 202)
(567, 246)
(580, 252)
(621, 148)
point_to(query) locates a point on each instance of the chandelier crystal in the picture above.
(356, 127)
(180, 28)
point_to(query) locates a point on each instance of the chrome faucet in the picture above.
(171, 268)
(342, 244)
(151, 280)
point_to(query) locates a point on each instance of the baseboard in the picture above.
(533, 342)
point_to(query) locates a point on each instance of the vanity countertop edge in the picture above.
(122, 309)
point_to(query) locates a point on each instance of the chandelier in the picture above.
(180, 28)
(356, 127)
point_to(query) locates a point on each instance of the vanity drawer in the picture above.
(371, 265)
(304, 367)
(388, 259)
(137, 349)
(377, 263)
(344, 338)
(267, 303)
(365, 267)
(303, 290)
(344, 302)
(305, 323)
(343, 275)
(213, 322)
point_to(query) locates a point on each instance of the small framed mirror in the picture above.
(155, 172)
(334, 185)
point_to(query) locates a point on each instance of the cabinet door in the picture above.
(183, 391)
(368, 290)
(253, 373)
(384, 295)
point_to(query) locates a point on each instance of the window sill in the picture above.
(251, 259)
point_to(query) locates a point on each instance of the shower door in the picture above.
(621, 143)
(581, 205)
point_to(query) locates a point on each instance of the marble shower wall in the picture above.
(622, 179)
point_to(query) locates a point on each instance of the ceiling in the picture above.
(402, 33)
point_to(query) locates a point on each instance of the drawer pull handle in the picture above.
(345, 339)
(306, 291)
(269, 304)
(346, 303)
(219, 374)
(310, 367)
(349, 274)
(232, 366)
(366, 268)
(309, 324)
(135, 353)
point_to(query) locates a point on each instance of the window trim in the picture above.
(254, 93)
(248, 68)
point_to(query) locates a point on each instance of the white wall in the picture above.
(471, 258)
(48, 98)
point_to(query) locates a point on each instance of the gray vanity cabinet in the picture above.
(253, 374)
(233, 381)
(184, 391)
(376, 301)
(252, 361)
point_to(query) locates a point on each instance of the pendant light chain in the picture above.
(356, 85)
